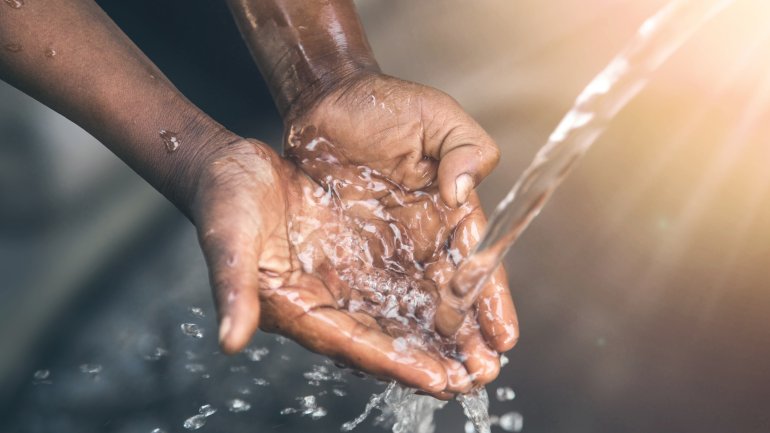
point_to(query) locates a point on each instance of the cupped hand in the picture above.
(403, 160)
(269, 233)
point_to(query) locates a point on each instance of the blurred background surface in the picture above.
(642, 289)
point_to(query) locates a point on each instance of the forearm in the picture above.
(303, 47)
(70, 56)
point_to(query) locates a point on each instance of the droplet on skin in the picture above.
(191, 330)
(16, 4)
(14, 48)
(50, 52)
(170, 140)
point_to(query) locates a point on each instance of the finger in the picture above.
(232, 257)
(336, 334)
(482, 363)
(467, 154)
(453, 305)
(496, 313)
(458, 379)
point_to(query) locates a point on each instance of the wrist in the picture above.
(206, 139)
(309, 93)
(303, 47)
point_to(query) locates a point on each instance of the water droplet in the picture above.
(400, 345)
(207, 410)
(42, 374)
(237, 405)
(318, 413)
(14, 48)
(92, 369)
(50, 52)
(511, 421)
(170, 140)
(288, 410)
(505, 394)
(256, 353)
(238, 369)
(156, 354)
(339, 392)
(503, 360)
(469, 428)
(195, 422)
(197, 312)
(195, 368)
(261, 382)
(192, 330)
(158, 430)
(16, 4)
(281, 339)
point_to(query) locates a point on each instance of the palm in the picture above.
(255, 207)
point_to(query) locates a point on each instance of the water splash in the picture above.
(600, 101)
(402, 409)
(476, 408)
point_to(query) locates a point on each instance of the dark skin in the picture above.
(323, 77)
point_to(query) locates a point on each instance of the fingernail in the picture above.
(224, 328)
(463, 187)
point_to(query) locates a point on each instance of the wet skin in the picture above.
(245, 200)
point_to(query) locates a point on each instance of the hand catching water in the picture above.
(404, 158)
(252, 209)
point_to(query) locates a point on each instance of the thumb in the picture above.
(232, 257)
(467, 155)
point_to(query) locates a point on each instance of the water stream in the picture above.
(622, 79)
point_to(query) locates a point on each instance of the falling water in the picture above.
(600, 101)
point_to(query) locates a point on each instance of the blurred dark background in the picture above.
(642, 289)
